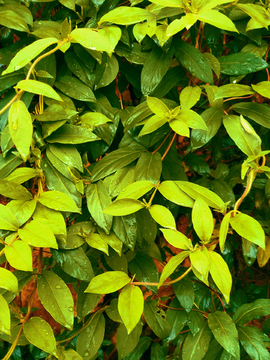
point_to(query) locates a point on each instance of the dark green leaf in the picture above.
(90, 339)
(156, 319)
(241, 64)
(192, 59)
(225, 332)
(56, 298)
(154, 69)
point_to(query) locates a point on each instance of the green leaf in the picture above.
(108, 282)
(91, 39)
(169, 3)
(38, 87)
(172, 192)
(200, 263)
(213, 119)
(93, 119)
(202, 220)
(162, 216)
(184, 292)
(36, 233)
(21, 175)
(8, 163)
(97, 200)
(189, 96)
(136, 190)
(223, 231)
(24, 56)
(249, 228)
(260, 113)
(242, 134)
(90, 339)
(225, 332)
(256, 12)
(97, 242)
(233, 90)
(152, 124)
(262, 88)
(75, 88)
(247, 312)
(123, 15)
(7, 219)
(39, 333)
(126, 343)
(68, 154)
(54, 219)
(75, 263)
(85, 302)
(125, 227)
(157, 106)
(112, 240)
(172, 264)
(130, 306)
(217, 19)
(191, 119)
(20, 127)
(156, 320)
(19, 255)
(58, 201)
(144, 269)
(195, 347)
(107, 71)
(56, 298)
(241, 63)
(14, 191)
(4, 316)
(179, 24)
(177, 239)
(8, 280)
(221, 275)
(195, 191)
(154, 69)
(149, 167)
(140, 349)
(180, 127)
(251, 340)
(176, 318)
(72, 134)
(116, 160)
(192, 59)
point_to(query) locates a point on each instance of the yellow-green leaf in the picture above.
(58, 201)
(221, 274)
(249, 228)
(200, 263)
(130, 306)
(224, 227)
(24, 56)
(162, 216)
(215, 18)
(108, 282)
(4, 316)
(20, 127)
(124, 207)
(202, 220)
(8, 280)
(91, 39)
(19, 255)
(39, 333)
(172, 264)
(177, 239)
(36, 233)
(7, 219)
(38, 87)
(124, 15)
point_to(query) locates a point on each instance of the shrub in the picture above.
(134, 179)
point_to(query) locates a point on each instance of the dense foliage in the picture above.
(134, 179)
